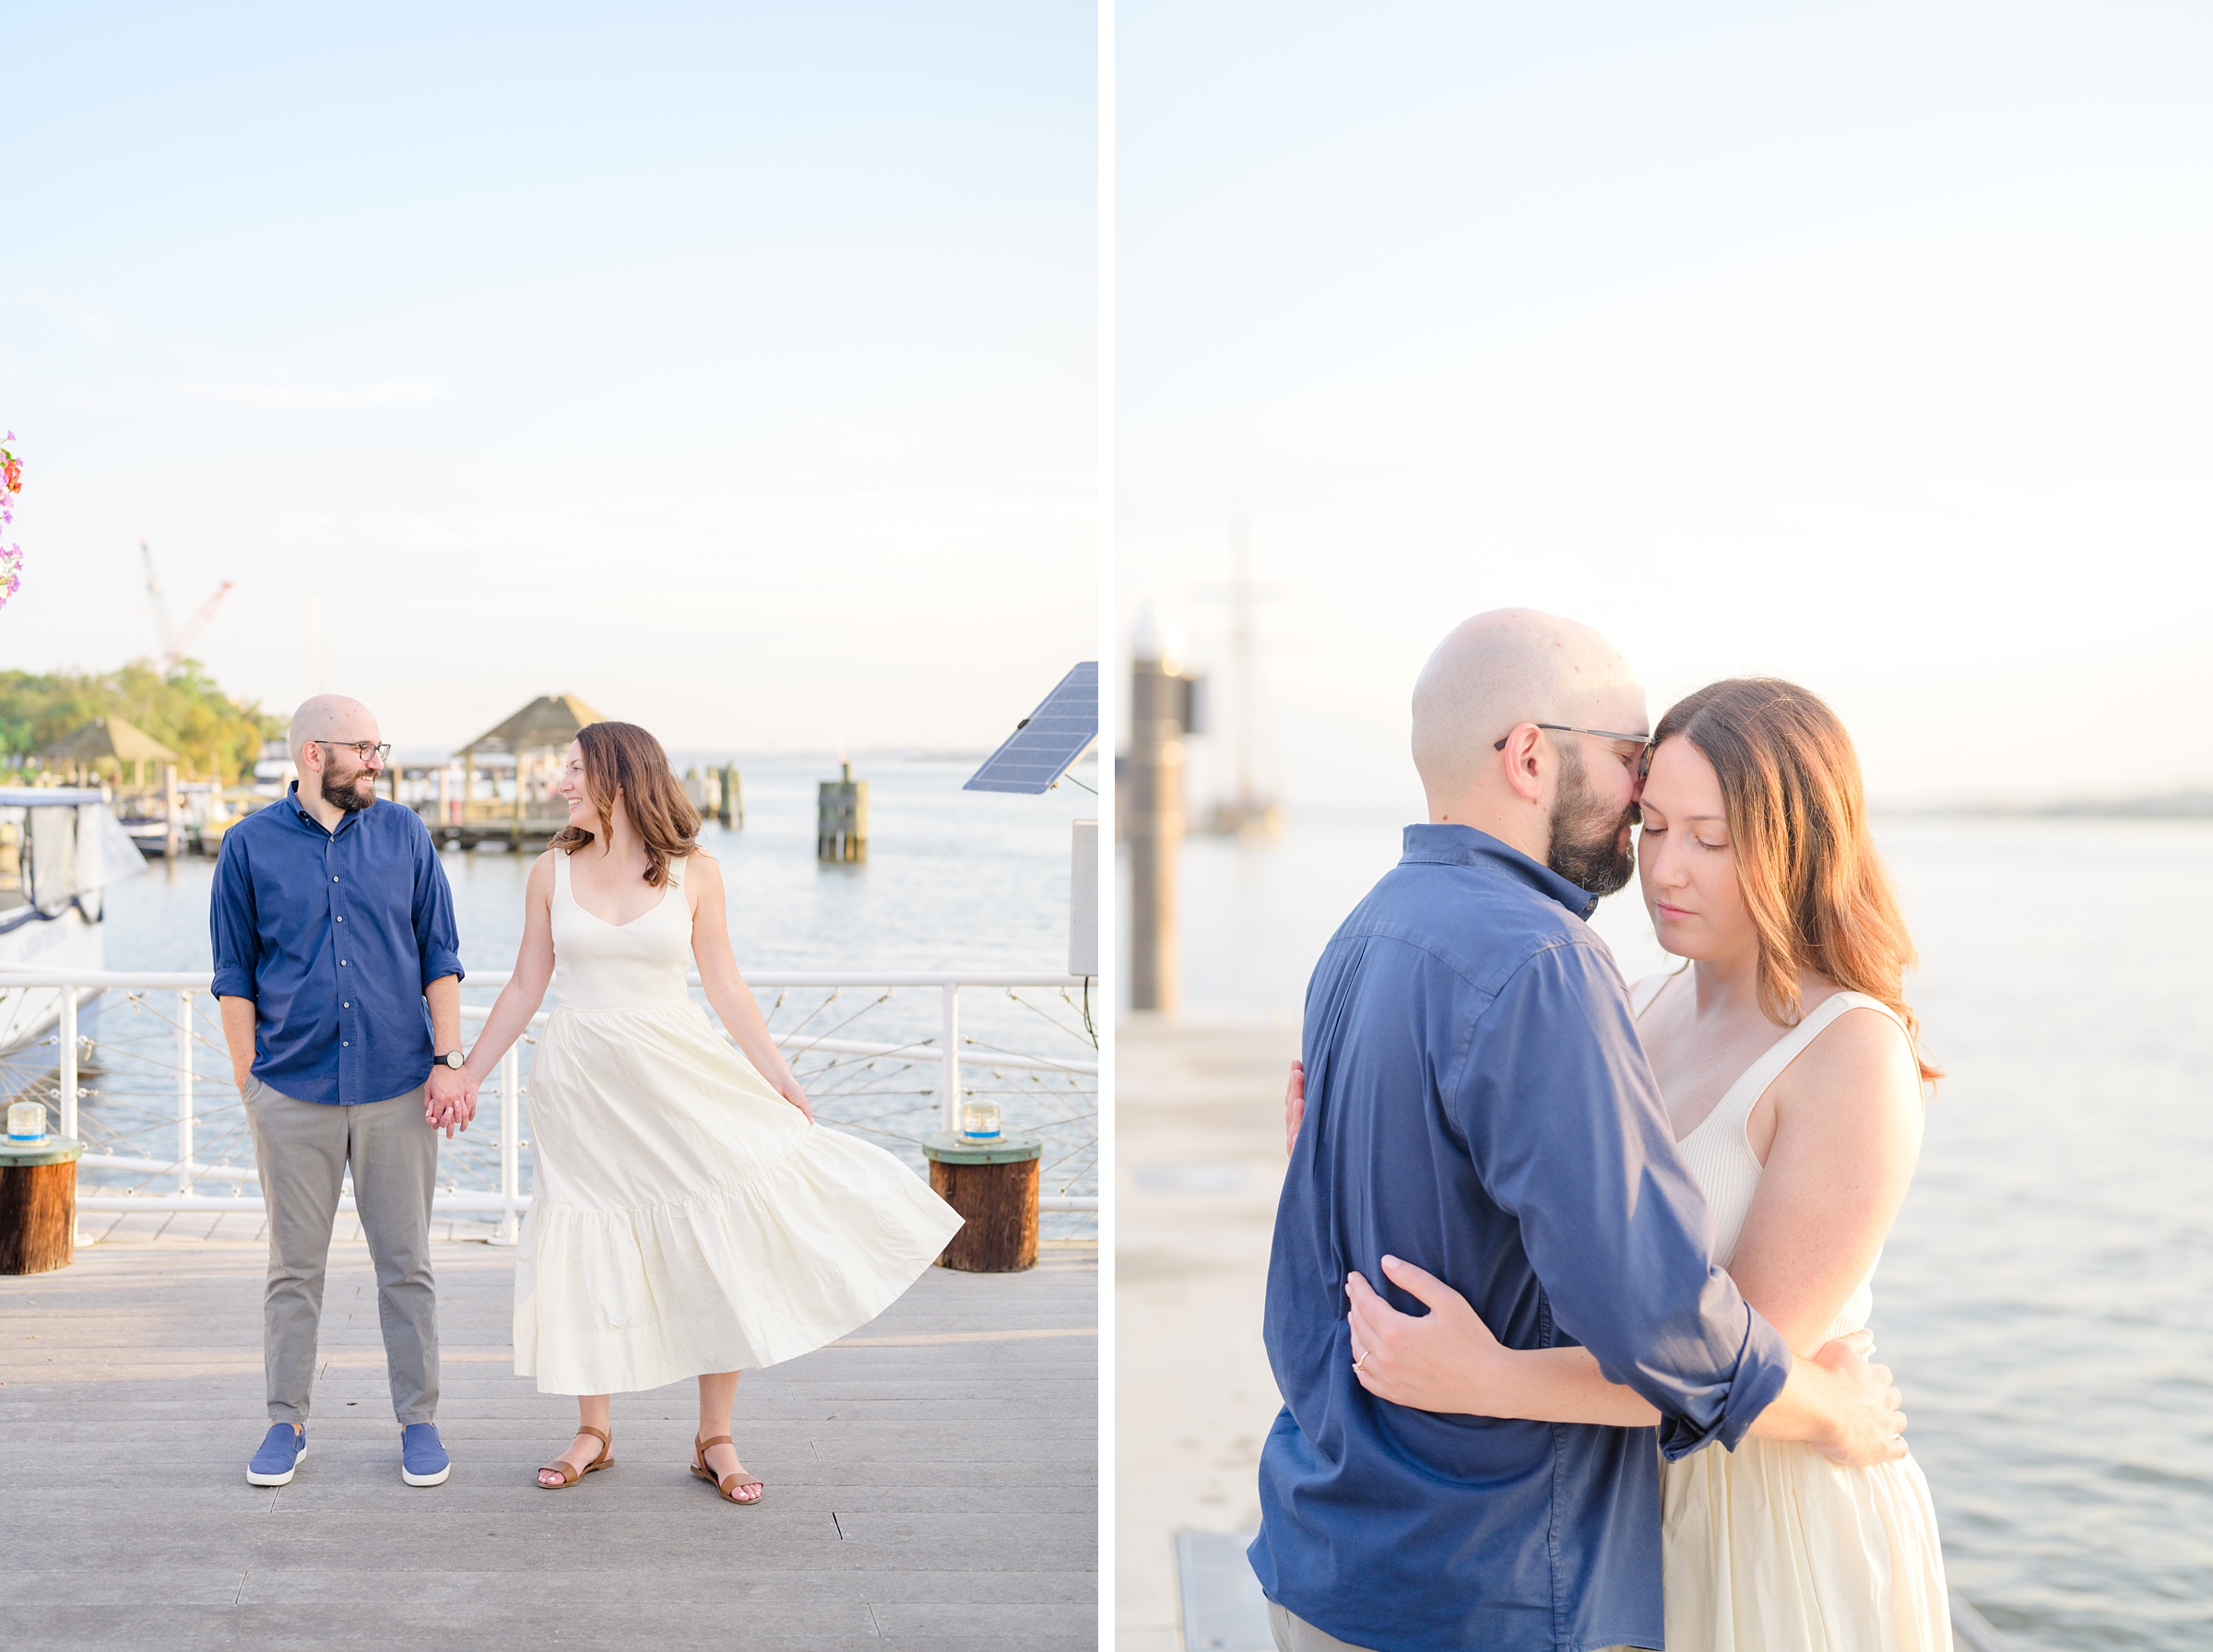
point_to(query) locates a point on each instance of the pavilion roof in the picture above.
(108, 736)
(547, 724)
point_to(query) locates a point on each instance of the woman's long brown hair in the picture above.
(1819, 897)
(622, 757)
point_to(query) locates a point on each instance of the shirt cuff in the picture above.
(232, 982)
(1763, 1365)
(439, 965)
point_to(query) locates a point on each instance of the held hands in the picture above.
(1870, 1427)
(1294, 1108)
(1441, 1361)
(449, 1100)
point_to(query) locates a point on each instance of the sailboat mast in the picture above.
(1240, 635)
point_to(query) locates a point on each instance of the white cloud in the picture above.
(241, 393)
(96, 325)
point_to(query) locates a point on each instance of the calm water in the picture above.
(954, 880)
(2044, 1297)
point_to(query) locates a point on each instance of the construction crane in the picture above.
(156, 600)
(173, 642)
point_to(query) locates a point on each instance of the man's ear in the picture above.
(1522, 762)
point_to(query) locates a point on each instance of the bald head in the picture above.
(330, 717)
(1507, 667)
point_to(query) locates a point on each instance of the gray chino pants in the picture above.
(303, 1149)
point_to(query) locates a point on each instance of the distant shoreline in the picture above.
(2174, 806)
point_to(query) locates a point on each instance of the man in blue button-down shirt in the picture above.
(1476, 1103)
(339, 973)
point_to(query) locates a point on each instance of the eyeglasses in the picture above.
(1643, 742)
(364, 749)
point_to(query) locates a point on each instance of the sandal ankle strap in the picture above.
(598, 1435)
(717, 1440)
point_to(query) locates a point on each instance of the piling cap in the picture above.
(1155, 638)
(53, 1150)
(949, 1147)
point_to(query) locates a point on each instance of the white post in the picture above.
(948, 1038)
(185, 1093)
(1084, 899)
(68, 1072)
(510, 1085)
(172, 836)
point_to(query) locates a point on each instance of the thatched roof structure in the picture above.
(547, 724)
(109, 738)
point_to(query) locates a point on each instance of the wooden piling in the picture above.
(1152, 813)
(38, 1205)
(841, 818)
(993, 1185)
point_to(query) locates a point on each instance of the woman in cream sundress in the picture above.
(1789, 1064)
(690, 1218)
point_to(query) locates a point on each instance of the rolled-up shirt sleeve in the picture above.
(437, 942)
(233, 927)
(1565, 1124)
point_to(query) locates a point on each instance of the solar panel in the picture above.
(1046, 742)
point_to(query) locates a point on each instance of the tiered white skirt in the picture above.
(687, 1218)
(1773, 1546)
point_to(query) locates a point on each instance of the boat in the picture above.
(61, 849)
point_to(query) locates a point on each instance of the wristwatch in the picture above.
(451, 1058)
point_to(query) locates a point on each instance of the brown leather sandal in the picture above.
(729, 1483)
(569, 1473)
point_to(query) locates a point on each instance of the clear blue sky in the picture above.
(1864, 344)
(732, 367)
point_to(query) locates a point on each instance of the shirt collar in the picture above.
(291, 795)
(1464, 846)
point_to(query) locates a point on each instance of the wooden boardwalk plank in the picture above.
(932, 1482)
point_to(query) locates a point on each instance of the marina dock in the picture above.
(931, 1478)
(1200, 1157)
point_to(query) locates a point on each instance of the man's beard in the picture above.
(347, 793)
(1586, 836)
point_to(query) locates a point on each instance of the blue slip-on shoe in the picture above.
(422, 1460)
(283, 1449)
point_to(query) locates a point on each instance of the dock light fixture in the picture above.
(27, 1121)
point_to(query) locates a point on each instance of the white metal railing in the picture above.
(941, 1049)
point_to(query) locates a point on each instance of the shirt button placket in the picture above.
(330, 856)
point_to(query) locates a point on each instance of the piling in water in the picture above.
(1160, 714)
(841, 818)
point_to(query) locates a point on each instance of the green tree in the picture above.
(217, 736)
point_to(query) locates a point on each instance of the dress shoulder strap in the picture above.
(676, 871)
(561, 876)
(1754, 1081)
(1645, 991)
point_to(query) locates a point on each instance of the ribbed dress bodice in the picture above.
(1722, 1160)
(599, 965)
